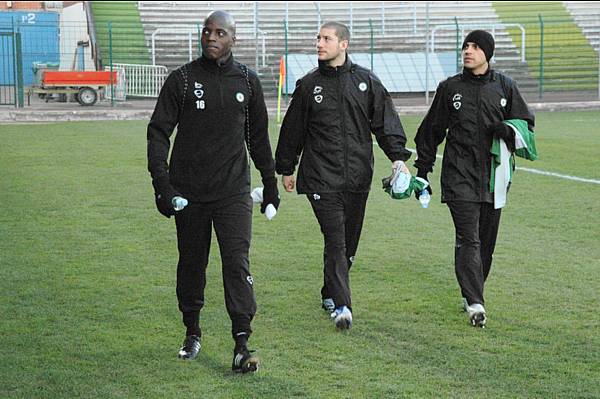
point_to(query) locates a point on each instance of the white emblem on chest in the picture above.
(456, 101)
(239, 97)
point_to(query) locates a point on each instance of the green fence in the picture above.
(539, 44)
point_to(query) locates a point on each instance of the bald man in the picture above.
(218, 107)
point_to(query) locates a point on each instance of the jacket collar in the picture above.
(488, 76)
(334, 71)
(212, 66)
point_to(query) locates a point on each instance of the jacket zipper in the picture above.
(221, 89)
(482, 141)
(342, 130)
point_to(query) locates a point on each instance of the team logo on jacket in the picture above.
(362, 86)
(503, 102)
(198, 92)
(250, 280)
(239, 97)
(456, 101)
(318, 98)
(317, 90)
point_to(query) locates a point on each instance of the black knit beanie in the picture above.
(484, 40)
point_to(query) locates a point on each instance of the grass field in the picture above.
(87, 283)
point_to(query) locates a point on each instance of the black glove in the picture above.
(423, 175)
(270, 193)
(502, 131)
(163, 195)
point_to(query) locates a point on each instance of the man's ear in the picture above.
(344, 44)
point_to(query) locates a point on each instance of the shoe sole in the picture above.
(187, 357)
(478, 320)
(343, 324)
(251, 365)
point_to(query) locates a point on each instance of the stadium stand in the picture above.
(397, 27)
(587, 15)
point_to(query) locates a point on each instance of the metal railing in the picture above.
(491, 27)
(143, 80)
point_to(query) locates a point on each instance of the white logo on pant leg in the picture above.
(250, 280)
(317, 90)
(316, 197)
(503, 102)
(318, 98)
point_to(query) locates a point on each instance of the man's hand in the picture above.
(289, 182)
(423, 175)
(401, 165)
(163, 197)
(270, 194)
(502, 131)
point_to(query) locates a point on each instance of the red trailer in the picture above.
(84, 84)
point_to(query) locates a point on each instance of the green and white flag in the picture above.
(503, 162)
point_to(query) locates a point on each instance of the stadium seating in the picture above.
(397, 27)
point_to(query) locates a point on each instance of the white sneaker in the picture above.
(342, 318)
(477, 315)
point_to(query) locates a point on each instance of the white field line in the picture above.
(542, 172)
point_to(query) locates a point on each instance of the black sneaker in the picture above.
(244, 361)
(191, 347)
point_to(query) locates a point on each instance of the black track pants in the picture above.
(476, 225)
(340, 216)
(232, 220)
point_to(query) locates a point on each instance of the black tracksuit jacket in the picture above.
(329, 121)
(207, 102)
(463, 110)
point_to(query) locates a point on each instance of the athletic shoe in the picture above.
(244, 361)
(477, 315)
(342, 317)
(328, 305)
(191, 347)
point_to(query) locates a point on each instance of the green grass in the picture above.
(563, 42)
(87, 283)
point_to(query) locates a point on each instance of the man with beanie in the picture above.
(334, 112)
(218, 107)
(468, 111)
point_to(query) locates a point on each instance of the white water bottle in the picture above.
(424, 198)
(179, 203)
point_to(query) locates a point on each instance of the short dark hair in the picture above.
(341, 30)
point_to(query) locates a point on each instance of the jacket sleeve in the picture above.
(518, 107)
(163, 121)
(385, 123)
(292, 133)
(432, 131)
(258, 132)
